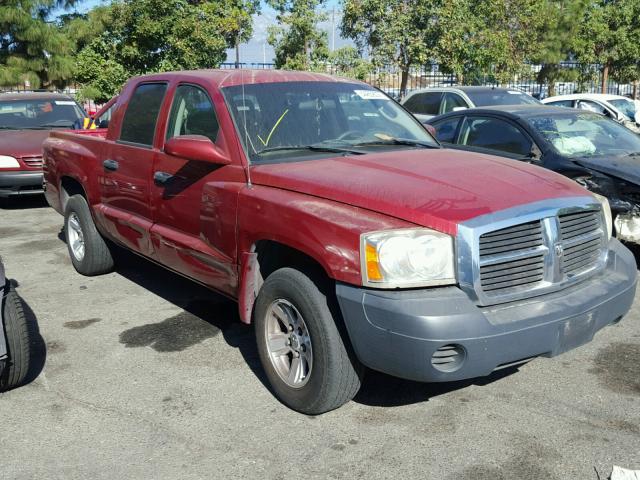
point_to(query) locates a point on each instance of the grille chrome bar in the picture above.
(543, 248)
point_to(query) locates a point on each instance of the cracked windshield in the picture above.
(281, 121)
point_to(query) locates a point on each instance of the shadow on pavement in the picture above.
(208, 314)
(380, 390)
(25, 202)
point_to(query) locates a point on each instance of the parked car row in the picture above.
(348, 235)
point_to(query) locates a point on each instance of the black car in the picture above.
(15, 337)
(597, 152)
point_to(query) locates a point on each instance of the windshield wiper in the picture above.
(312, 148)
(398, 141)
(7, 128)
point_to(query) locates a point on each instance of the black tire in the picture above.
(336, 374)
(18, 336)
(97, 258)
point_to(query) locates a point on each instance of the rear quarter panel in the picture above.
(75, 156)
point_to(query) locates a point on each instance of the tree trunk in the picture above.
(403, 81)
(237, 53)
(552, 88)
(605, 78)
(635, 89)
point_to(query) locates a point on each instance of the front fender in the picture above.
(326, 231)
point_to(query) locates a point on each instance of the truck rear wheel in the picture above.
(18, 338)
(89, 252)
(302, 350)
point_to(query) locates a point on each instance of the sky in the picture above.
(257, 50)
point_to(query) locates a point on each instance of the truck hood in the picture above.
(22, 143)
(437, 188)
(626, 168)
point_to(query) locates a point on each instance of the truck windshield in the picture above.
(40, 113)
(292, 120)
(581, 134)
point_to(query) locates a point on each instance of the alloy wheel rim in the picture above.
(76, 236)
(288, 343)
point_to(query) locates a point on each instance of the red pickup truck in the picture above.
(345, 232)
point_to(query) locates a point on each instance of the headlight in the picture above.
(8, 162)
(407, 258)
(607, 212)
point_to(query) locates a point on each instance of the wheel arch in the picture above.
(264, 258)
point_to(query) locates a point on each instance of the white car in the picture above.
(617, 107)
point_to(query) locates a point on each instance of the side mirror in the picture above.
(195, 147)
(103, 124)
(636, 117)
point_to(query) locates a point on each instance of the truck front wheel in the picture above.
(304, 355)
(89, 252)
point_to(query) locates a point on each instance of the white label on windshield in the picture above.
(514, 92)
(65, 102)
(371, 94)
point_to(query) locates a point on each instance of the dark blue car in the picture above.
(600, 154)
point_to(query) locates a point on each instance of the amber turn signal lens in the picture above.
(373, 264)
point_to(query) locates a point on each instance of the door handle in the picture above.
(111, 165)
(162, 178)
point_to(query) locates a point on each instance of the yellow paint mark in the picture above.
(266, 143)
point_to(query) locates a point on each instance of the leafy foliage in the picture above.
(31, 49)
(298, 42)
(132, 37)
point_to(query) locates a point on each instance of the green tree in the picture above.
(397, 32)
(133, 37)
(609, 34)
(298, 42)
(347, 62)
(31, 48)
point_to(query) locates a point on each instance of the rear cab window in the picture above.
(141, 116)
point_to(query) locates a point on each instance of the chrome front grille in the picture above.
(542, 250)
(32, 162)
(512, 257)
(580, 234)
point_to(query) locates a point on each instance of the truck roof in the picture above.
(232, 77)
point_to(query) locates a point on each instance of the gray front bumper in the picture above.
(398, 332)
(20, 183)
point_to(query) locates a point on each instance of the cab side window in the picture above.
(139, 123)
(451, 101)
(591, 106)
(424, 103)
(192, 113)
(446, 130)
(494, 134)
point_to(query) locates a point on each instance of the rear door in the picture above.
(194, 228)
(126, 171)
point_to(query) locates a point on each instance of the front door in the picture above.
(195, 201)
(126, 166)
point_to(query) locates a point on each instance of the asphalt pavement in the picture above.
(142, 374)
